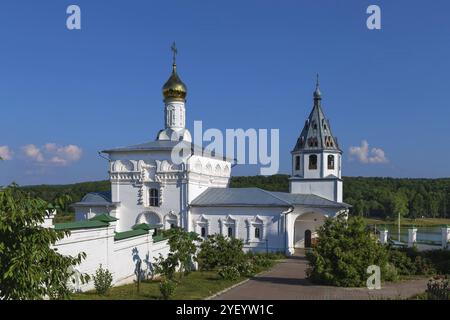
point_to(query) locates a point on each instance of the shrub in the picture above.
(390, 273)
(261, 260)
(229, 273)
(401, 262)
(217, 251)
(102, 280)
(246, 268)
(344, 252)
(182, 245)
(166, 267)
(167, 288)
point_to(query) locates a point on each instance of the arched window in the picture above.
(154, 197)
(230, 232)
(313, 162)
(297, 163)
(172, 225)
(257, 233)
(331, 162)
(203, 232)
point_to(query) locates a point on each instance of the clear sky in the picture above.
(64, 95)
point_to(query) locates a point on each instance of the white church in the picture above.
(150, 192)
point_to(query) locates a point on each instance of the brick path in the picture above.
(287, 281)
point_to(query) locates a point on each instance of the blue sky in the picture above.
(247, 64)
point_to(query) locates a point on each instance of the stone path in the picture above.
(287, 281)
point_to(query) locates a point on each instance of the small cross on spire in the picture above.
(317, 81)
(175, 51)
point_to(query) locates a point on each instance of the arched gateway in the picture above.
(305, 227)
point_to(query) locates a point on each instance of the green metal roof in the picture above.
(103, 218)
(159, 238)
(83, 224)
(146, 226)
(130, 234)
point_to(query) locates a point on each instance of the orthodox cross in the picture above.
(175, 51)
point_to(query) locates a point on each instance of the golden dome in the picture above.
(174, 88)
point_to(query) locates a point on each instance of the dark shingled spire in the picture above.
(316, 134)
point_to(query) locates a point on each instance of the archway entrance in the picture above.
(305, 227)
(308, 238)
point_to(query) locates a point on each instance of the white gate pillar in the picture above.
(384, 236)
(412, 237)
(445, 237)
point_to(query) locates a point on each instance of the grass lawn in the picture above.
(197, 285)
(425, 222)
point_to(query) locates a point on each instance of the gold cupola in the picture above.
(174, 88)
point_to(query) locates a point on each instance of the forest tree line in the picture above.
(369, 197)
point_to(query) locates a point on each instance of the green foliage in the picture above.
(166, 267)
(102, 280)
(344, 252)
(29, 267)
(182, 254)
(217, 251)
(182, 245)
(229, 272)
(167, 288)
(261, 260)
(402, 263)
(386, 197)
(57, 194)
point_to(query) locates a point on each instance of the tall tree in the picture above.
(29, 267)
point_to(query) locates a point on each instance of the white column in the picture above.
(384, 236)
(445, 237)
(412, 237)
(289, 236)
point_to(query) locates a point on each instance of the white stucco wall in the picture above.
(119, 257)
(330, 189)
(243, 220)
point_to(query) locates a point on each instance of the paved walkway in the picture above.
(287, 281)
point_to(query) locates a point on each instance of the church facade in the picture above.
(148, 187)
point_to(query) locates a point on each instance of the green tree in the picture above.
(29, 267)
(344, 251)
(418, 206)
(399, 204)
(182, 245)
(217, 251)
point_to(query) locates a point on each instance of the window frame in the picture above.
(230, 228)
(331, 164)
(297, 163)
(311, 165)
(153, 199)
(257, 233)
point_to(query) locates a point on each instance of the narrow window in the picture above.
(257, 233)
(203, 232)
(331, 162)
(230, 232)
(154, 197)
(313, 162)
(297, 163)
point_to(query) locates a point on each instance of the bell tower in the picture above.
(174, 92)
(316, 157)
